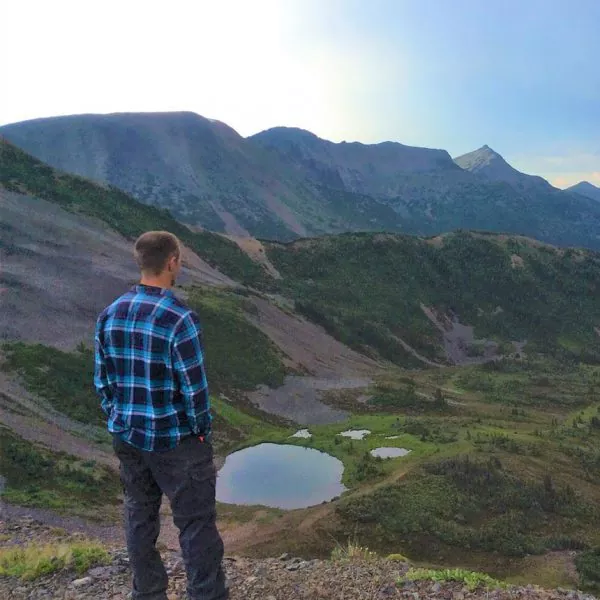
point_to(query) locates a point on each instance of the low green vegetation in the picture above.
(470, 579)
(477, 482)
(64, 379)
(41, 478)
(238, 357)
(472, 504)
(405, 398)
(588, 568)
(238, 354)
(359, 465)
(235, 428)
(33, 561)
(20, 172)
(368, 290)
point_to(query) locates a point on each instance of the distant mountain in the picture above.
(204, 172)
(286, 183)
(374, 169)
(586, 189)
(489, 165)
(433, 194)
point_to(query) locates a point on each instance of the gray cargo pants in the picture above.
(186, 475)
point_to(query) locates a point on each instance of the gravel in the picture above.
(282, 578)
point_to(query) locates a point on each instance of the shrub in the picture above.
(588, 567)
(352, 551)
(34, 560)
(469, 579)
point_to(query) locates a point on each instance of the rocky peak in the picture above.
(585, 188)
(489, 164)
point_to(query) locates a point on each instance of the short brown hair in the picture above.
(153, 249)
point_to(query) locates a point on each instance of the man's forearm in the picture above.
(198, 412)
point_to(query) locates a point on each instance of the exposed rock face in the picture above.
(489, 165)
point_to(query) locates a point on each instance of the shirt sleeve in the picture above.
(101, 382)
(188, 364)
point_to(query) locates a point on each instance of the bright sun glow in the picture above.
(437, 74)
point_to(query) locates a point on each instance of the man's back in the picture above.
(150, 371)
(150, 376)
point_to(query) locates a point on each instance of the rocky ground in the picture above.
(283, 578)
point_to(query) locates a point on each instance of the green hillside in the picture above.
(20, 172)
(367, 288)
(238, 356)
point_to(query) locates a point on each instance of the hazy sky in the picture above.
(522, 76)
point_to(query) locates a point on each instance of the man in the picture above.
(150, 377)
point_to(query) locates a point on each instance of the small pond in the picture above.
(389, 452)
(280, 476)
(302, 433)
(355, 434)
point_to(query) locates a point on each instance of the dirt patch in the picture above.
(459, 340)
(414, 353)
(436, 242)
(516, 262)
(299, 399)
(231, 224)
(284, 213)
(256, 251)
(310, 348)
(53, 437)
(15, 399)
(109, 534)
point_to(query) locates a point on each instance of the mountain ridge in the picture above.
(287, 183)
(587, 189)
(200, 169)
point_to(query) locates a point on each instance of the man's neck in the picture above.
(160, 282)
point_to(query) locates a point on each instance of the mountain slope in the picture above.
(489, 165)
(368, 290)
(200, 169)
(433, 194)
(392, 293)
(23, 174)
(286, 183)
(362, 168)
(586, 189)
(66, 253)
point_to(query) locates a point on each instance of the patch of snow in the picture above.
(389, 452)
(355, 434)
(302, 433)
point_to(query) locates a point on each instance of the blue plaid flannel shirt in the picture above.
(149, 370)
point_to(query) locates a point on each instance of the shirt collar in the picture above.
(151, 290)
